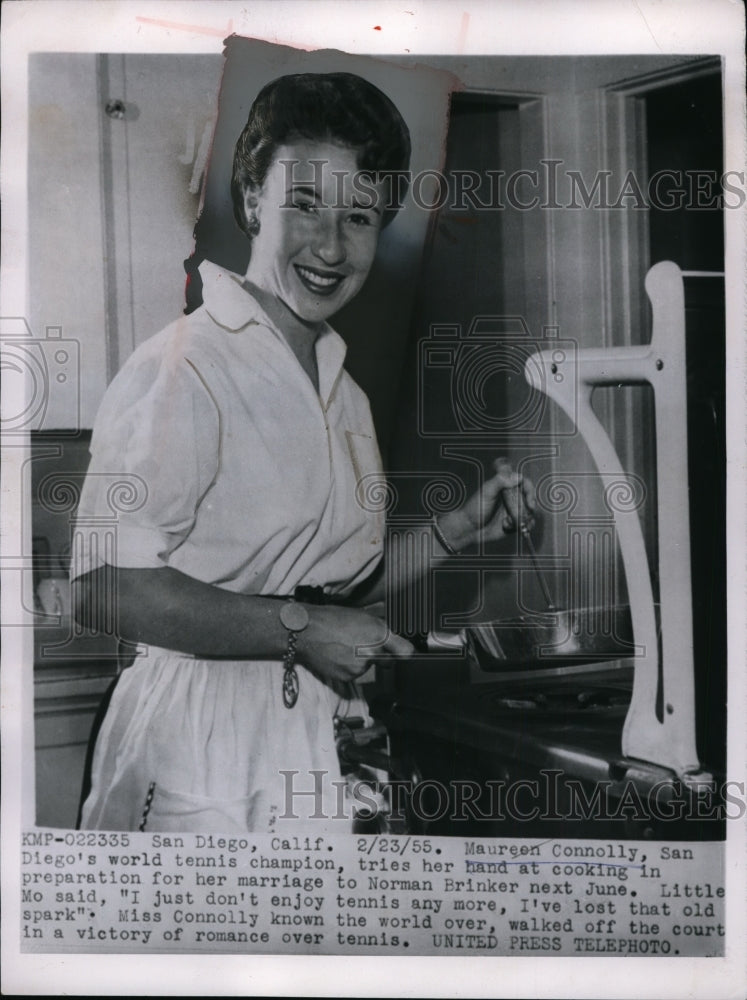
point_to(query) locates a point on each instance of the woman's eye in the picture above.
(304, 206)
(360, 220)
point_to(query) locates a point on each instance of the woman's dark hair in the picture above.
(324, 107)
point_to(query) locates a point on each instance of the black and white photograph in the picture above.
(373, 476)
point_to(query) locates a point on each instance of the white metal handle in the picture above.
(667, 736)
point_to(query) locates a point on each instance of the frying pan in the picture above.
(556, 637)
(552, 639)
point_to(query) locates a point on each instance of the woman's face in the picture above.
(319, 223)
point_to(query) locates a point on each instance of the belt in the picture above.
(305, 594)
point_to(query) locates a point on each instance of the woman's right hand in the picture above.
(342, 643)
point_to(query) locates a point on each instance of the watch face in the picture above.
(294, 617)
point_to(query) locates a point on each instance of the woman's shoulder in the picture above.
(185, 340)
(173, 365)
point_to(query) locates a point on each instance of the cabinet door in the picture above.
(66, 703)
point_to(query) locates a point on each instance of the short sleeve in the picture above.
(155, 451)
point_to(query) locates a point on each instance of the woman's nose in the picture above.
(329, 244)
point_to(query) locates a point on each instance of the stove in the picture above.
(626, 726)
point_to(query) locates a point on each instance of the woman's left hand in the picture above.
(505, 502)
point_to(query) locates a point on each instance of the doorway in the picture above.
(684, 135)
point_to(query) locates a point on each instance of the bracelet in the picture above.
(295, 618)
(442, 539)
(290, 676)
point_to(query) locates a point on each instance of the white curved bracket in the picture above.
(666, 737)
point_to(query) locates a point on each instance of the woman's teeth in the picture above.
(320, 282)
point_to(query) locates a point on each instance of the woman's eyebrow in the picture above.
(311, 192)
(307, 189)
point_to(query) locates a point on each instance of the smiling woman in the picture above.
(243, 563)
(314, 240)
(309, 189)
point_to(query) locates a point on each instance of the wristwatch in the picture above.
(295, 618)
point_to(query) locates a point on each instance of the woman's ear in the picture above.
(251, 203)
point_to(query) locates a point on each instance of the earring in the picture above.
(252, 225)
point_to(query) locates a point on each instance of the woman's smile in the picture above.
(319, 227)
(319, 282)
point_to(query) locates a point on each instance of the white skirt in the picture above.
(208, 746)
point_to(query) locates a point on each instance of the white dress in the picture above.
(213, 454)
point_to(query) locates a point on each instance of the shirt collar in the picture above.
(227, 301)
(231, 306)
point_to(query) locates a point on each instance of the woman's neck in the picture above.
(300, 336)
